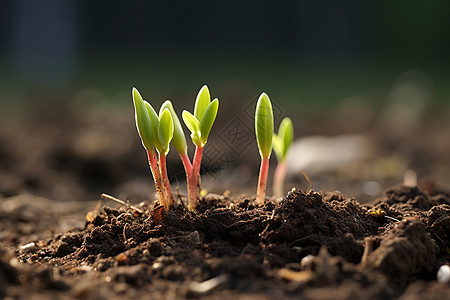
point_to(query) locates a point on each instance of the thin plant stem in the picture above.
(193, 179)
(165, 178)
(278, 179)
(262, 181)
(163, 200)
(186, 163)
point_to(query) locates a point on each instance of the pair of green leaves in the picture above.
(265, 136)
(155, 130)
(205, 112)
(283, 140)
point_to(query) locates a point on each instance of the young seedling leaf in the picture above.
(179, 139)
(286, 132)
(191, 122)
(165, 130)
(202, 102)
(278, 146)
(194, 126)
(142, 118)
(154, 120)
(208, 119)
(264, 125)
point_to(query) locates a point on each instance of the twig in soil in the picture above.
(197, 289)
(179, 196)
(125, 233)
(233, 224)
(193, 237)
(121, 202)
(301, 239)
(393, 219)
(368, 249)
(307, 179)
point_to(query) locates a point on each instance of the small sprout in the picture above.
(165, 135)
(159, 130)
(165, 130)
(194, 127)
(199, 124)
(178, 140)
(147, 124)
(264, 136)
(142, 120)
(281, 144)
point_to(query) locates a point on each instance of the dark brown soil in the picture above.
(309, 245)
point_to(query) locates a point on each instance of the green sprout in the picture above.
(199, 124)
(281, 144)
(155, 131)
(264, 136)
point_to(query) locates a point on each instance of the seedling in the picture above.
(155, 131)
(199, 124)
(264, 136)
(158, 130)
(281, 144)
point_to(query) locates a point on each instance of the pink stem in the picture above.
(186, 163)
(193, 179)
(163, 169)
(153, 162)
(262, 182)
(278, 179)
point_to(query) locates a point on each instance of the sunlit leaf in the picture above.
(142, 118)
(165, 130)
(278, 146)
(208, 119)
(264, 125)
(202, 102)
(179, 139)
(286, 132)
(191, 122)
(154, 120)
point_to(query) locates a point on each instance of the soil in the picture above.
(309, 245)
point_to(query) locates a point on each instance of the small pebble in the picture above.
(306, 262)
(122, 258)
(198, 289)
(443, 274)
(30, 247)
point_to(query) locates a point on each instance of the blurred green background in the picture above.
(377, 69)
(305, 54)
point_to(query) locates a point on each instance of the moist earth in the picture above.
(311, 245)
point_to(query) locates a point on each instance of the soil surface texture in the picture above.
(309, 245)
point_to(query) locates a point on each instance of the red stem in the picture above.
(165, 178)
(193, 179)
(278, 179)
(153, 162)
(186, 163)
(262, 181)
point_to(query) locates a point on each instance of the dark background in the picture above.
(316, 53)
(379, 69)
